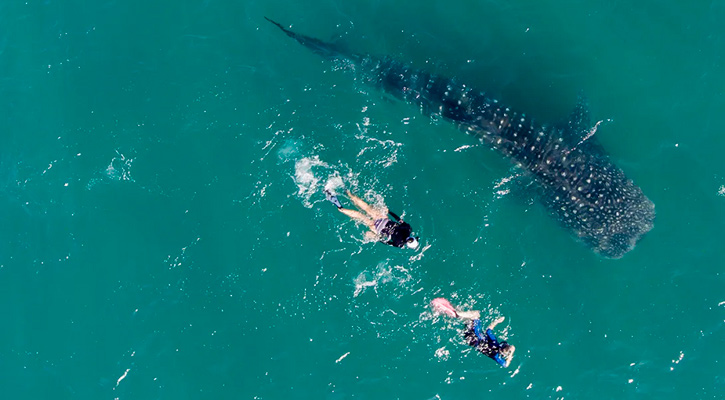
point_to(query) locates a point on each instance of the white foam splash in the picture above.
(590, 134)
(506, 180)
(122, 377)
(442, 353)
(418, 256)
(361, 284)
(464, 147)
(503, 191)
(305, 178)
(382, 275)
(119, 168)
(313, 174)
(388, 148)
(334, 183)
(342, 357)
(721, 191)
(289, 150)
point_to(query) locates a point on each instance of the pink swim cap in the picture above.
(443, 306)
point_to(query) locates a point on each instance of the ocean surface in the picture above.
(165, 234)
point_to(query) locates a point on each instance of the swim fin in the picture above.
(332, 199)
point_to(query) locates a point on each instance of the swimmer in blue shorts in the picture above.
(484, 341)
(394, 232)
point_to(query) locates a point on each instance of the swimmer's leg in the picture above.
(443, 306)
(359, 217)
(472, 314)
(367, 208)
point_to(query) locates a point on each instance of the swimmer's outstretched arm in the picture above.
(495, 322)
(443, 306)
(472, 314)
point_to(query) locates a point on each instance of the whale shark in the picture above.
(574, 176)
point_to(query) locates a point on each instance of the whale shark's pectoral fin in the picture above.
(338, 41)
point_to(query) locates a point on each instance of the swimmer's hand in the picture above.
(509, 355)
(371, 236)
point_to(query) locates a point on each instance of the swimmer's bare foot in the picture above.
(496, 322)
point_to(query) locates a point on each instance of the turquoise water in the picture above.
(165, 235)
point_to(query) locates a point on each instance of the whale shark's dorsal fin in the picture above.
(579, 130)
(580, 119)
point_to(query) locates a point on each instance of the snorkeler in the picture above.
(395, 232)
(483, 341)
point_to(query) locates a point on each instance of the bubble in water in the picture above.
(120, 168)
(334, 183)
(289, 150)
(305, 179)
(383, 274)
(312, 175)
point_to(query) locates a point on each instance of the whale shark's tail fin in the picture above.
(327, 50)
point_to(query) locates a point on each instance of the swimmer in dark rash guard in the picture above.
(395, 232)
(484, 341)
